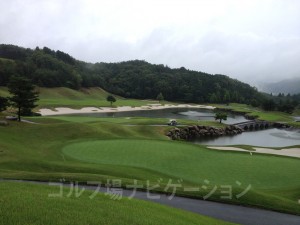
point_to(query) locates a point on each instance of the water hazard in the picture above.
(178, 113)
(267, 138)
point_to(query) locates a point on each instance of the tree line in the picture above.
(284, 103)
(130, 79)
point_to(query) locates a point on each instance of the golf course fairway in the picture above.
(190, 162)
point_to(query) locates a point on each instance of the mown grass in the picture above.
(125, 120)
(29, 204)
(34, 151)
(237, 107)
(272, 116)
(189, 162)
(85, 97)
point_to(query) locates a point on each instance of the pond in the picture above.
(266, 138)
(176, 113)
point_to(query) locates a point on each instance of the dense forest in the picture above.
(131, 79)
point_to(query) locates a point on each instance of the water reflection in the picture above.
(267, 138)
(178, 113)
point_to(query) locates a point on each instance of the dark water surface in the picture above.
(267, 138)
(177, 113)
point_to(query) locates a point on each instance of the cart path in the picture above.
(227, 212)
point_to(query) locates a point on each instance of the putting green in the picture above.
(190, 162)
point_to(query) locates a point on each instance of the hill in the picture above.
(288, 86)
(84, 97)
(131, 79)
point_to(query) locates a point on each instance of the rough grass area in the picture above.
(24, 204)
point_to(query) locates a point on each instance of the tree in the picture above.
(23, 94)
(254, 103)
(226, 97)
(160, 97)
(269, 105)
(111, 99)
(221, 116)
(213, 98)
(3, 103)
(131, 79)
(286, 106)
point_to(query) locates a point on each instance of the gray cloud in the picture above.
(250, 40)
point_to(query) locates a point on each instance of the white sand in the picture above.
(292, 152)
(63, 111)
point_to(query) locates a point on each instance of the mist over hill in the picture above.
(288, 86)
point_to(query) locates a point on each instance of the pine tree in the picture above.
(23, 94)
(3, 103)
(160, 97)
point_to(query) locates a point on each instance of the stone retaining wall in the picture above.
(197, 131)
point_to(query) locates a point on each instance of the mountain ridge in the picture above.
(131, 79)
(286, 86)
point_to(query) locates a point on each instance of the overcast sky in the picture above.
(251, 40)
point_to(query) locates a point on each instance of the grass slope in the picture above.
(29, 204)
(96, 97)
(85, 97)
(190, 162)
(127, 120)
(54, 149)
(272, 116)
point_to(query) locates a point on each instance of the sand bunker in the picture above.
(63, 110)
(292, 152)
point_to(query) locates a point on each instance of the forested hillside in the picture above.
(287, 86)
(131, 79)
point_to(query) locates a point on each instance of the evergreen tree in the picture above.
(3, 103)
(254, 103)
(213, 98)
(131, 79)
(226, 98)
(160, 97)
(23, 94)
(269, 105)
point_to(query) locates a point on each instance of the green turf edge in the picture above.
(30, 204)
